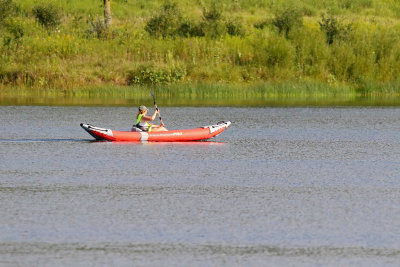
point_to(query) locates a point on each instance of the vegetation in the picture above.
(48, 15)
(65, 45)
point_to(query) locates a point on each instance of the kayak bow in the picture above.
(197, 134)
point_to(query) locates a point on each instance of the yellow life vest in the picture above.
(139, 118)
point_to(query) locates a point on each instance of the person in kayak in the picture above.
(142, 121)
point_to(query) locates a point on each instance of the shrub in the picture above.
(279, 52)
(311, 51)
(190, 29)
(99, 29)
(261, 24)
(213, 25)
(47, 14)
(342, 62)
(213, 13)
(166, 23)
(7, 8)
(287, 20)
(333, 29)
(235, 28)
(151, 74)
(15, 31)
(275, 52)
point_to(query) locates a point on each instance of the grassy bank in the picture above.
(291, 49)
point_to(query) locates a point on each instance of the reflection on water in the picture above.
(173, 101)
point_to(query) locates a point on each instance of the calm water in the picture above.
(280, 187)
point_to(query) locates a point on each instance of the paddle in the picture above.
(155, 104)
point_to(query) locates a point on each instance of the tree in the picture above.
(166, 22)
(334, 29)
(47, 14)
(288, 19)
(7, 8)
(107, 13)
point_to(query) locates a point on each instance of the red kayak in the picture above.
(197, 134)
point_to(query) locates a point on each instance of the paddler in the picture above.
(142, 121)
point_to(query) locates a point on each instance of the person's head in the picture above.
(142, 109)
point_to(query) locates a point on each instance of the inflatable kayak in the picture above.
(197, 134)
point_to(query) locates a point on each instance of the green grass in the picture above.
(70, 62)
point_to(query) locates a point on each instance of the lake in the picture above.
(280, 187)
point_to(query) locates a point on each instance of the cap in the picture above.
(142, 108)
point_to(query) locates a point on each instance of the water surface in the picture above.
(281, 186)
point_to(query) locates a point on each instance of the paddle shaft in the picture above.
(155, 104)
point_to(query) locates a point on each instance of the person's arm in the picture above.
(148, 118)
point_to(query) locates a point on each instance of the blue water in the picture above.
(280, 187)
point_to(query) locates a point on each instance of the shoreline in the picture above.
(287, 94)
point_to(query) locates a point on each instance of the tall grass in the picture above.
(271, 94)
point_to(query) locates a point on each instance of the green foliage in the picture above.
(166, 22)
(213, 13)
(190, 29)
(169, 22)
(333, 29)
(223, 42)
(213, 24)
(99, 29)
(261, 24)
(342, 62)
(235, 28)
(47, 14)
(151, 74)
(7, 8)
(311, 51)
(279, 53)
(287, 20)
(16, 32)
(355, 5)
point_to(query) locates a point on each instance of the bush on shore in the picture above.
(47, 14)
